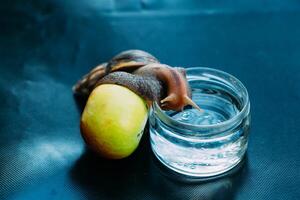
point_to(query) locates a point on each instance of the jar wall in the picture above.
(213, 148)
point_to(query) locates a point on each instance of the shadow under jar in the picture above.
(204, 144)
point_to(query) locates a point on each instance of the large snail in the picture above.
(142, 73)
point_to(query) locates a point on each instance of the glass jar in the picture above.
(209, 143)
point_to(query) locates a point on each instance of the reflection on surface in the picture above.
(140, 176)
(176, 186)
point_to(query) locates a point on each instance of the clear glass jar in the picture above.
(204, 144)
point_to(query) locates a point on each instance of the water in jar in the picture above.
(191, 153)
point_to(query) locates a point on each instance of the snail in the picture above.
(142, 73)
(125, 61)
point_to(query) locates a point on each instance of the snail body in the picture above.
(142, 73)
(178, 91)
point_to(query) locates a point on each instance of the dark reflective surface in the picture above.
(142, 176)
(45, 46)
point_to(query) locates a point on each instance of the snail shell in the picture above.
(128, 61)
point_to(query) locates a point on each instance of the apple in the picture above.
(113, 121)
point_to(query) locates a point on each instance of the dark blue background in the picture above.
(45, 46)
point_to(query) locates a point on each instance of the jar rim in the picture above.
(227, 123)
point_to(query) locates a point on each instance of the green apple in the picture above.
(113, 121)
